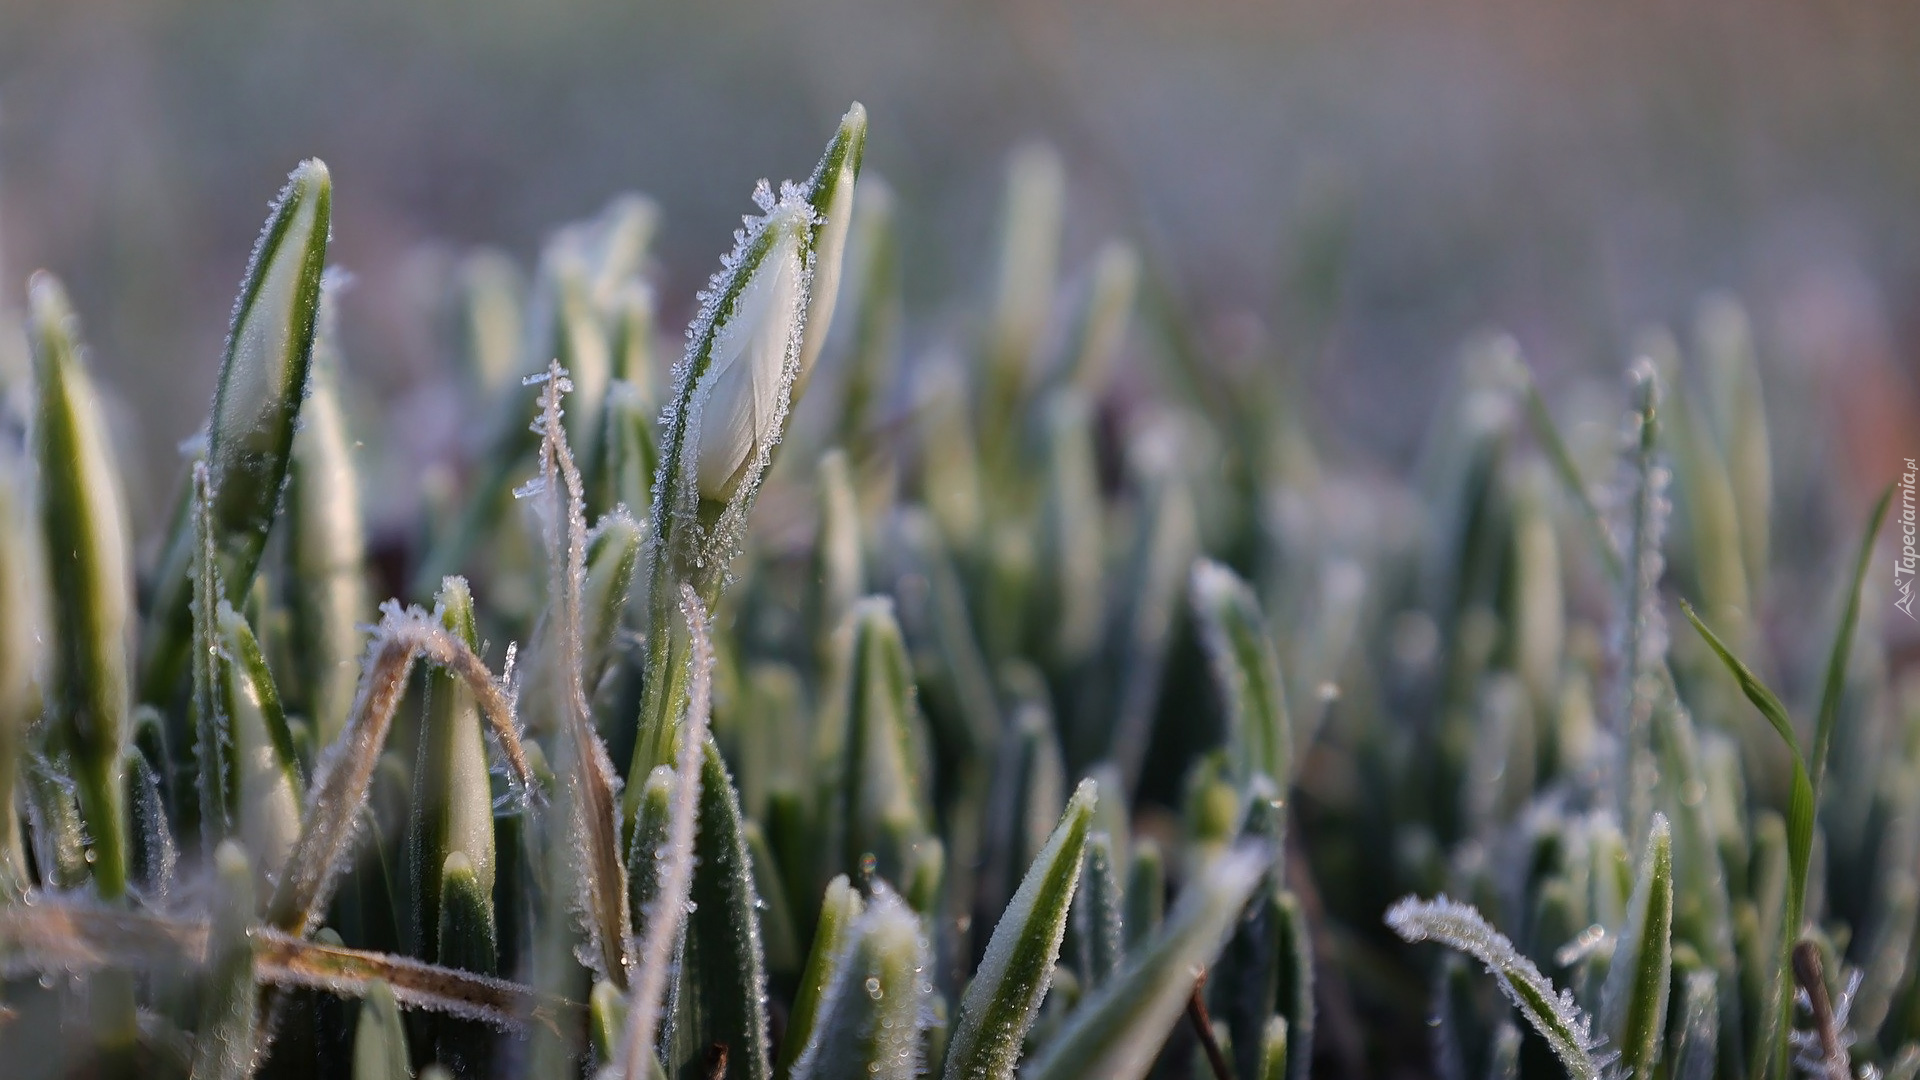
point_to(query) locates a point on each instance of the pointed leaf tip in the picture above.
(1003, 999)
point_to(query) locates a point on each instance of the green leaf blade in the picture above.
(1003, 998)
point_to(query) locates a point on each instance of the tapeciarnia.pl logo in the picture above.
(1905, 564)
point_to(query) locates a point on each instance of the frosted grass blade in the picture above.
(256, 409)
(1117, 1033)
(870, 747)
(649, 848)
(1003, 998)
(1633, 1008)
(1246, 668)
(1552, 1013)
(265, 784)
(839, 911)
(871, 1018)
(721, 994)
(659, 947)
(1695, 1049)
(1097, 906)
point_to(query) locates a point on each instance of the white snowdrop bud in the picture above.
(741, 399)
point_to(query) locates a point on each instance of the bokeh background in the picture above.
(1349, 186)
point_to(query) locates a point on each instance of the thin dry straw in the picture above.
(345, 774)
(595, 811)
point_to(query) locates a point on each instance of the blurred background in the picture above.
(1352, 188)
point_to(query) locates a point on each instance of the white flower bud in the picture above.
(741, 400)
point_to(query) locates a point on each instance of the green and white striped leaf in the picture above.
(720, 995)
(839, 911)
(1633, 1009)
(453, 794)
(1003, 998)
(871, 1018)
(1246, 668)
(265, 785)
(256, 410)
(871, 747)
(90, 579)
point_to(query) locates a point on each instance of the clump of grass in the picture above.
(657, 772)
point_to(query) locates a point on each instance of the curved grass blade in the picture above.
(344, 774)
(285, 961)
(1246, 668)
(1003, 998)
(1117, 1033)
(1548, 433)
(1800, 806)
(1552, 1013)
(84, 527)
